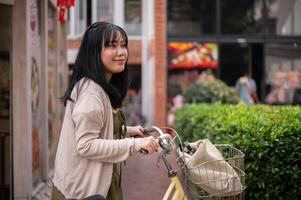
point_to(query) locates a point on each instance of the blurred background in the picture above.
(172, 44)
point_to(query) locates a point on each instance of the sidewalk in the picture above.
(141, 179)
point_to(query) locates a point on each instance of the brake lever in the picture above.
(147, 131)
(163, 145)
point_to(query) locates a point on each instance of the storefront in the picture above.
(259, 37)
(33, 76)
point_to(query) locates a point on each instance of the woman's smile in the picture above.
(120, 61)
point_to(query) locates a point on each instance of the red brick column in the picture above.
(160, 62)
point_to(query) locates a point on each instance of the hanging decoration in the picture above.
(63, 4)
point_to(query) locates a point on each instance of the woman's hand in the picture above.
(149, 144)
(135, 131)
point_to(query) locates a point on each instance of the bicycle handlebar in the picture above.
(149, 130)
(163, 140)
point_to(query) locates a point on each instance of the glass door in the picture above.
(5, 100)
(238, 59)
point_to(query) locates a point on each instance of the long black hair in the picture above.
(88, 64)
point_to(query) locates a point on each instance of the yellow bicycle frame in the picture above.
(175, 190)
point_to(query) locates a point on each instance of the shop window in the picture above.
(283, 73)
(284, 17)
(80, 16)
(188, 63)
(77, 18)
(241, 17)
(191, 55)
(104, 10)
(234, 61)
(191, 17)
(133, 17)
(239, 59)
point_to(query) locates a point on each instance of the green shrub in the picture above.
(268, 135)
(209, 91)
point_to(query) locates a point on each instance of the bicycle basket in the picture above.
(213, 171)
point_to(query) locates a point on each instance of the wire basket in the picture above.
(228, 186)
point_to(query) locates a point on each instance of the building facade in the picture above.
(231, 38)
(234, 37)
(33, 76)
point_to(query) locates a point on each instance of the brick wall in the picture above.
(73, 43)
(160, 62)
(134, 52)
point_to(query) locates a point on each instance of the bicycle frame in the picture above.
(175, 190)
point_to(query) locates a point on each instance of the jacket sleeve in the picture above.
(88, 117)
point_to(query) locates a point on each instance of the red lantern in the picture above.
(62, 13)
(63, 4)
(67, 3)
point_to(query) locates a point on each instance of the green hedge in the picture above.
(268, 135)
(209, 91)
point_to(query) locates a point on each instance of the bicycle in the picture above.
(189, 188)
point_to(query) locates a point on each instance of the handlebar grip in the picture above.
(147, 130)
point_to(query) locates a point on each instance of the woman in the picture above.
(93, 140)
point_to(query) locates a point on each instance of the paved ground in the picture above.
(141, 179)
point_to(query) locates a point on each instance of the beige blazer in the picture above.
(86, 150)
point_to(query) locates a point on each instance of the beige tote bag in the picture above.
(208, 170)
